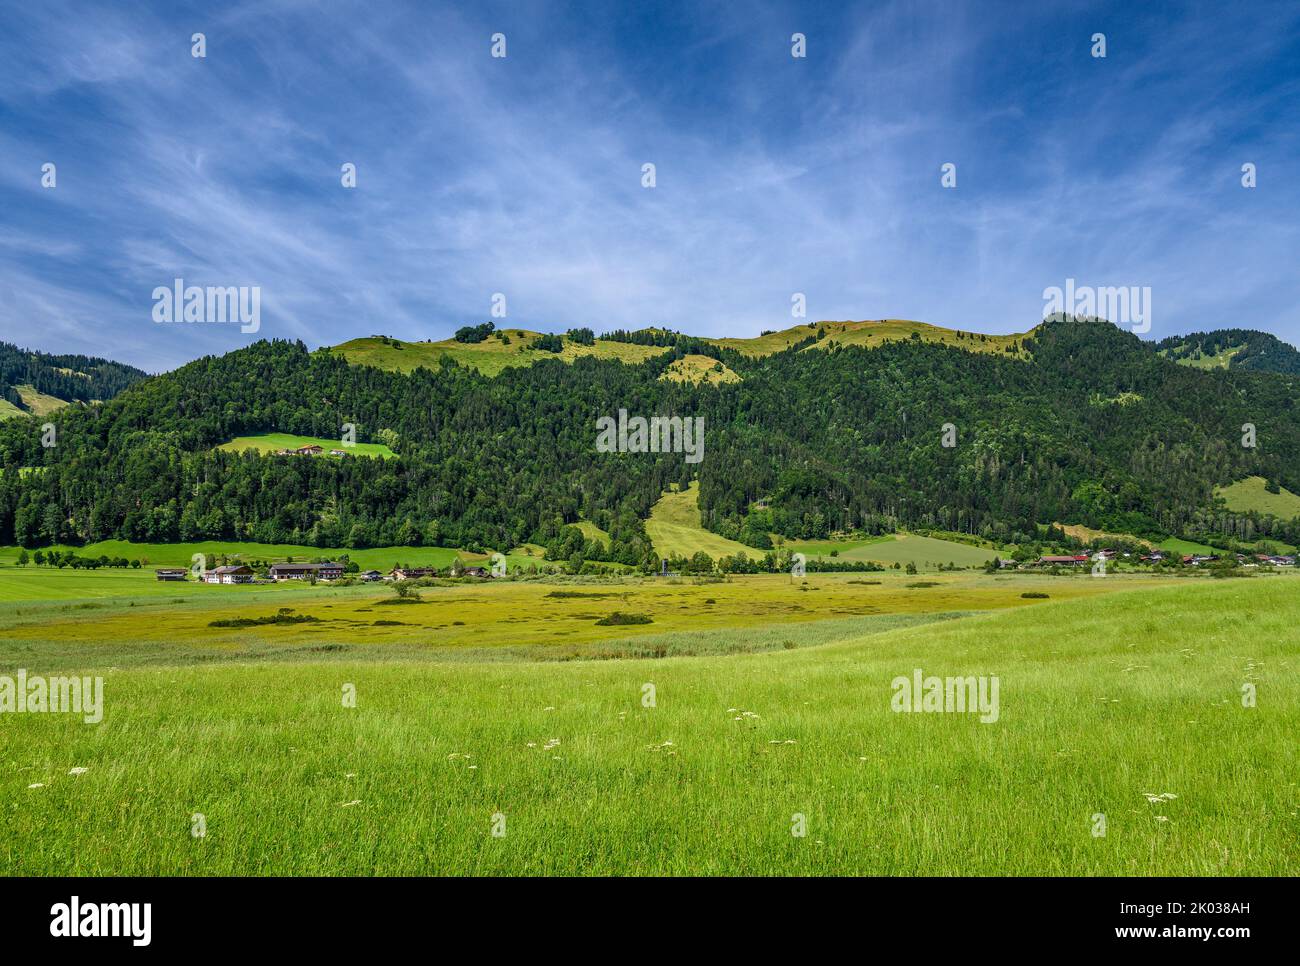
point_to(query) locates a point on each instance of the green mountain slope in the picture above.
(1076, 422)
(38, 383)
(1245, 349)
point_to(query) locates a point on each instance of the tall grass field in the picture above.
(1120, 709)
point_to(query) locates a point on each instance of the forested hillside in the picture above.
(1246, 349)
(65, 377)
(1084, 423)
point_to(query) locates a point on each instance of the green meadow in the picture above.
(1249, 494)
(1178, 545)
(274, 442)
(674, 528)
(925, 553)
(750, 709)
(868, 333)
(154, 555)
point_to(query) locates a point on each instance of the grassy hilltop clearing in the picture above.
(700, 369)
(514, 347)
(1247, 349)
(876, 332)
(490, 356)
(38, 403)
(1118, 697)
(266, 443)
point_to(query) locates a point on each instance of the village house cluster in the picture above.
(1159, 556)
(310, 450)
(280, 572)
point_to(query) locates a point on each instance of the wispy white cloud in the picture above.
(522, 175)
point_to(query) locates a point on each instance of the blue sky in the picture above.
(522, 175)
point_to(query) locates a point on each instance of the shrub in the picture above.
(474, 333)
(619, 618)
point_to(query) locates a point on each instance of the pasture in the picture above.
(1119, 698)
(700, 369)
(274, 442)
(1249, 494)
(925, 553)
(872, 333)
(154, 555)
(674, 528)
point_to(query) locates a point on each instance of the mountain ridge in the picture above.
(493, 350)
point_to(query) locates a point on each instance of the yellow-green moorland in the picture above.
(1127, 705)
(549, 618)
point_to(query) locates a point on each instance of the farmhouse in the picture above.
(170, 573)
(371, 575)
(476, 572)
(411, 573)
(305, 571)
(1069, 561)
(239, 574)
(311, 449)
